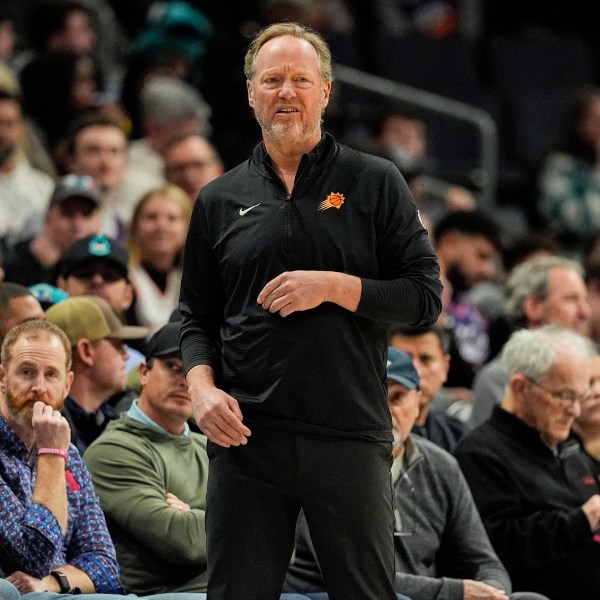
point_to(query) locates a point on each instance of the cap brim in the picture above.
(407, 383)
(130, 332)
(173, 351)
(60, 198)
(74, 264)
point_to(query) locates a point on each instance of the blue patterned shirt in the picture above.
(32, 541)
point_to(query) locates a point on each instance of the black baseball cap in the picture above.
(76, 186)
(94, 249)
(165, 342)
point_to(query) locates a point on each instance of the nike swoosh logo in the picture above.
(243, 211)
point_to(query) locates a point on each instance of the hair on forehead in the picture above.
(34, 330)
(532, 352)
(296, 30)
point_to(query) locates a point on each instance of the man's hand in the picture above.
(50, 428)
(477, 590)
(26, 583)
(591, 509)
(294, 290)
(302, 290)
(217, 413)
(219, 417)
(174, 502)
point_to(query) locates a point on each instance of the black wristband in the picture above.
(63, 582)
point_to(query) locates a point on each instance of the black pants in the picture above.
(255, 493)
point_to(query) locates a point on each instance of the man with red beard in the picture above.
(48, 508)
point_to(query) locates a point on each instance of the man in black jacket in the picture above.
(296, 262)
(533, 485)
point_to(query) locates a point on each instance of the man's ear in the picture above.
(517, 385)
(143, 370)
(84, 351)
(69, 382)
(533, 310)
(128, 296)
(250, 93)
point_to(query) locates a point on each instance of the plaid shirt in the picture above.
(32, 541)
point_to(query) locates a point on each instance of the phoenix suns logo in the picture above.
(334, 200)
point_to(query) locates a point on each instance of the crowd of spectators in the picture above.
(113, 117)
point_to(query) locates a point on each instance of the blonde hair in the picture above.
(170, 191)
(296, 30)
(34, 330)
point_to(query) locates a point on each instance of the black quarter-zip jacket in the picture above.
(324, 369)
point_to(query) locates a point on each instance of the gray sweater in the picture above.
(444, 540)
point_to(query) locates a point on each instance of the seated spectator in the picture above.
(24, 190)
(136, 465)
(467, 244)
(155, 241)
(73, 213)
(99, 362)
(191, 162)
(541, 290)
(428, 348)
(534, 487)
(95, 145)
(17, 304)
(53, 532)
(53, 535)
(169, 106)
(99, 266)
(442, 550)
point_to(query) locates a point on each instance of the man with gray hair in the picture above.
(169, 107)
(542, 290)
(533, 485)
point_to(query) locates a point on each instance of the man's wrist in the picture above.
(54, 452)
(62, 581)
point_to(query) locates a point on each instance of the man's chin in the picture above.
(22, 419)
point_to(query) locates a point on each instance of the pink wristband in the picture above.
(58, 451)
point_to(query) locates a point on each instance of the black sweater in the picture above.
(322, 369)
(530, 503)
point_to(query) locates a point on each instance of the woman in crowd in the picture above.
(155, 241)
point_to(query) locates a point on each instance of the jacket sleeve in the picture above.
(29, 536)
(523, 539)
(132, 492)
(408, 289)
(201, 300)
(421, 587)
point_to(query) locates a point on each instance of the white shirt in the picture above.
(24, 196)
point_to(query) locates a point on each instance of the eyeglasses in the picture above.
(404, 520)
(87, 274)
(566, 397)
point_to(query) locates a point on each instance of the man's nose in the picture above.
(39, 384)
(287, 90)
